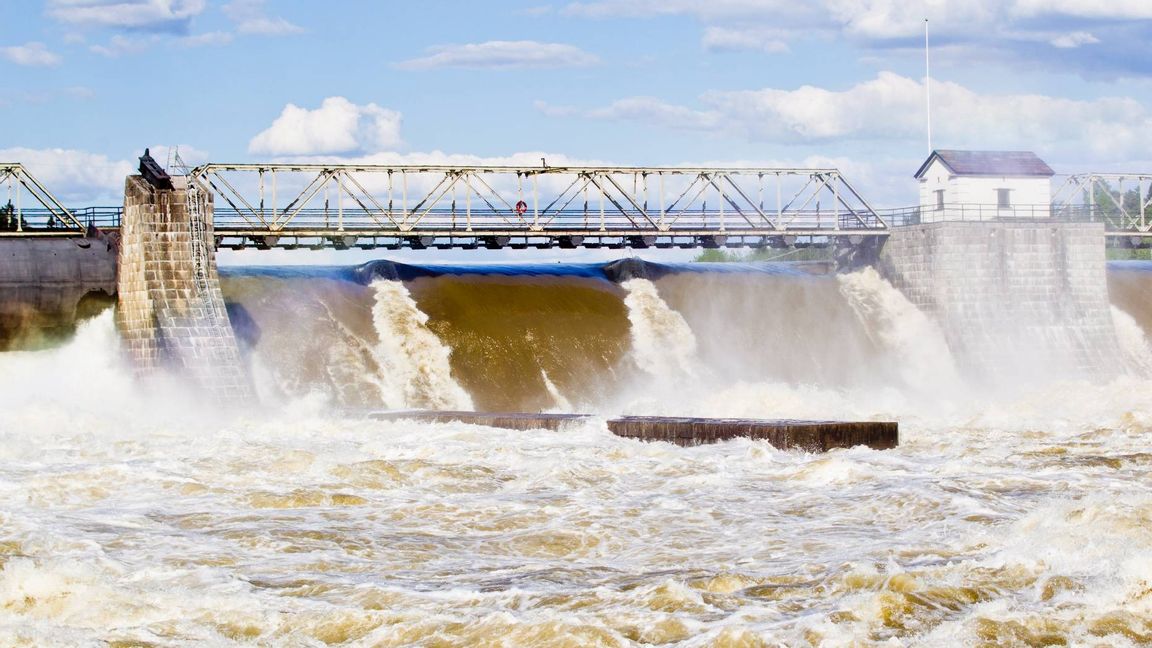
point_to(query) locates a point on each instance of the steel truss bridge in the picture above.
(288, 205)
(1123, 201)
(435, 206)
(49, 215)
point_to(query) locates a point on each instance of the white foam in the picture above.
(663, 344)
(903, 331)
(1134, 347)
(562, 403)
(414, 364)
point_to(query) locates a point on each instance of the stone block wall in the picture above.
(169, 319)
(1012, 298)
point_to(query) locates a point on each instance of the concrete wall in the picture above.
(1012, 298)
(46, 284)
(169, 318)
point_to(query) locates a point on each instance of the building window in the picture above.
(939, 200)
(1003, 198)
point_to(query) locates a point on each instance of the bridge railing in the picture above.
(576, 221)
(37, 221)
(991, 212)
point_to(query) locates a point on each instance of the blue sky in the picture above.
(90, 83)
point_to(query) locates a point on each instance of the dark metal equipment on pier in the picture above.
(153, 173)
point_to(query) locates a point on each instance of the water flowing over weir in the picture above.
(413, 363)
(662, 342)
(627, 337)
(1004, 519)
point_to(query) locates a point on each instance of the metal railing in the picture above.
(41, 221)
(975, 212)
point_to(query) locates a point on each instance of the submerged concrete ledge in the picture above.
(813, 436)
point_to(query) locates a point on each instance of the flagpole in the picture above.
(928, 86)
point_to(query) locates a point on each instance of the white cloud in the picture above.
(250, 18)
(869, 18)
(1025, 31)
(714, 10)
(720, 39)
(149, 15)
(890, 108)
(1107, 9)
(82, 178)
(502, 54)
(32, 54)
(165, 155)
(74, 176)
(207, 39)
(119, 45)
(1073, 40)
(337, 126)
(649, 110)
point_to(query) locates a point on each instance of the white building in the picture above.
(984, 185)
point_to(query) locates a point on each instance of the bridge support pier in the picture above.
(1014, 300)
(170, 310)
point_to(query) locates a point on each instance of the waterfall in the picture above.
(662, 343)
(1134, 348)
(897, 326)
(562, 403)
(414, 371)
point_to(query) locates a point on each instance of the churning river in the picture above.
(1019, 514)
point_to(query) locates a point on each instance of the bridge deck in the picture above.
(435, 206)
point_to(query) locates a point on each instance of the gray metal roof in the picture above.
(989, 163)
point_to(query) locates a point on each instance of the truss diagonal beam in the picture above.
(448, 201)
(12, 174)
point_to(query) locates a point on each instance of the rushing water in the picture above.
(133, 516)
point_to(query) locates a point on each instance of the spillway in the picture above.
(1009, 515)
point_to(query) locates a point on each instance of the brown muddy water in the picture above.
(136, 516)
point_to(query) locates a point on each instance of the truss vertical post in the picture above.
(836, 202)
(663, 207)
(719, 198)
(779, 201)
(602, 197)
(468, 205)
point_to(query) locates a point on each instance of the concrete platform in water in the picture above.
(814, 436)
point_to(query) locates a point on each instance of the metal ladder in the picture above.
(199, 242)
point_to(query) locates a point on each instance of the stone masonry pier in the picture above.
(171, 313)
(1011, 297)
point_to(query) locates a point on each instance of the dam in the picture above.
(1011, 510)
(1025, 287)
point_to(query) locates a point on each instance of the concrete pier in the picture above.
(1011, 295)
(812, 436)
(48, 284)
(171, 313)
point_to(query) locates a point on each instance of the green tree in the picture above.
(1108, 202)
(8, 217)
